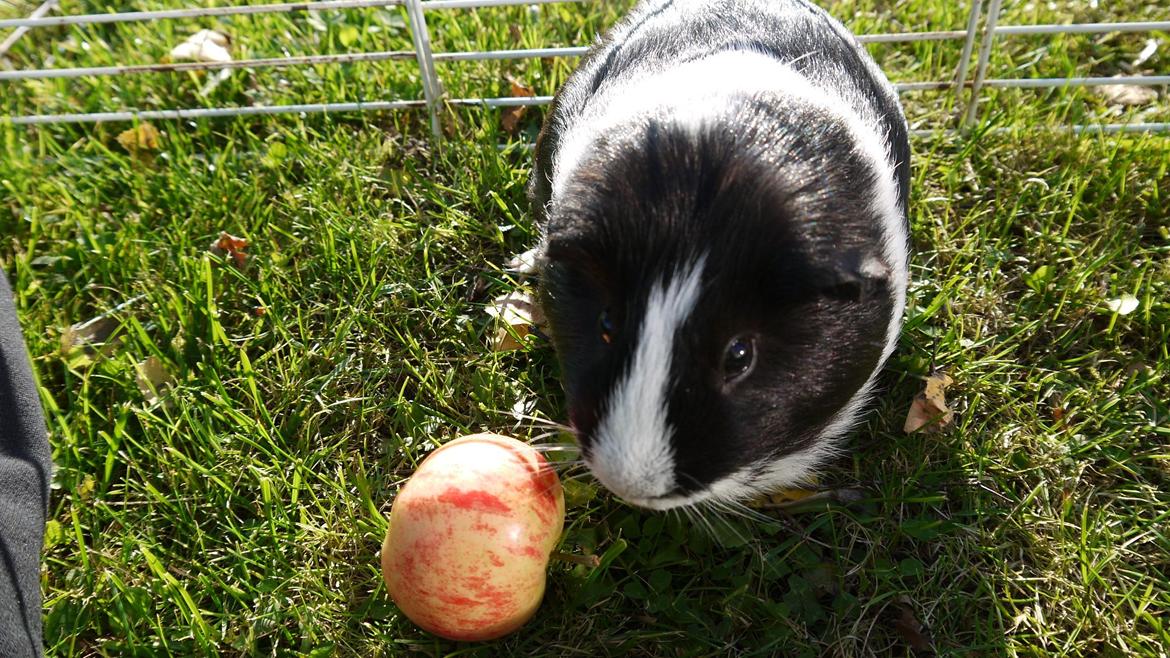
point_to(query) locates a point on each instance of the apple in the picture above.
(470, 537)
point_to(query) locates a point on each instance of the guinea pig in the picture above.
(720, 190)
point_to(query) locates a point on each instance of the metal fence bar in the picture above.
(524, 53)
(1040, 83)
(908, 37)
(211, 112)
(432, 89)
(1083, 28)
(968, 45)
(127, 17)
(274, 62)
(306, 108)
(984, 58)
(10, 41)
(478, 4)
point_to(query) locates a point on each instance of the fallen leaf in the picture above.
(929, 410)
(86, 334)
(204, 46)
(1123, 305)
(1056, 406)
(796, 501)
(140, 140)
(97, 336)
(153, 379)
(508, 337)
(510, 119)
(788, 495)
(1127, 94)
(229, 245)
(912, 630)
(517, 314)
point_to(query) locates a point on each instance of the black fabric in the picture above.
(25, 469)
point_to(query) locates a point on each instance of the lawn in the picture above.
(242, 513)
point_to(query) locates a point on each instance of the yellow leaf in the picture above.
(517, 313)
(139, 139)
(929, 409)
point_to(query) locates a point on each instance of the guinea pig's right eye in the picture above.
(605, 326)
(739, 358)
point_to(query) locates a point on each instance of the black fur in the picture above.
(771, 192)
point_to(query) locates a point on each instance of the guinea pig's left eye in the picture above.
(739, 358)
(605, 326)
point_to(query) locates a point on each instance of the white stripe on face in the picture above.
(631, 452)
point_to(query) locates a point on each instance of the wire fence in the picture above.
(968, 87)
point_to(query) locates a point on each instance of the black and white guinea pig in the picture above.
(721, 192)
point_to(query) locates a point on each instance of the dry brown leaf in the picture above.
(794, 501)
(510, 119)
(1127, 94)
(139, 140)
(508, 338)
(229, 245)
(929, 410)
(153, 379)
(516, 313)
(912, 630)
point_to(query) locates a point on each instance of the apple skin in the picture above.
(470, 536)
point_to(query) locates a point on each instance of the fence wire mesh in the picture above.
(964, 91)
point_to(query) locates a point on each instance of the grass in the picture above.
(243, 514)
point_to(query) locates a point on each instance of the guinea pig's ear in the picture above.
(575, 254)
(855, 276)
(565, 251)
(574, 258)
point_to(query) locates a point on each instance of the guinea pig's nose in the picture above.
(631, 478)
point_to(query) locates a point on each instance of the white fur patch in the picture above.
(790, 470)
(631, 454)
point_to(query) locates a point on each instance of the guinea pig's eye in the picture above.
(739, 358)
(605, 325)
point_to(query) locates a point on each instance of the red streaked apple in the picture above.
(470, 537)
